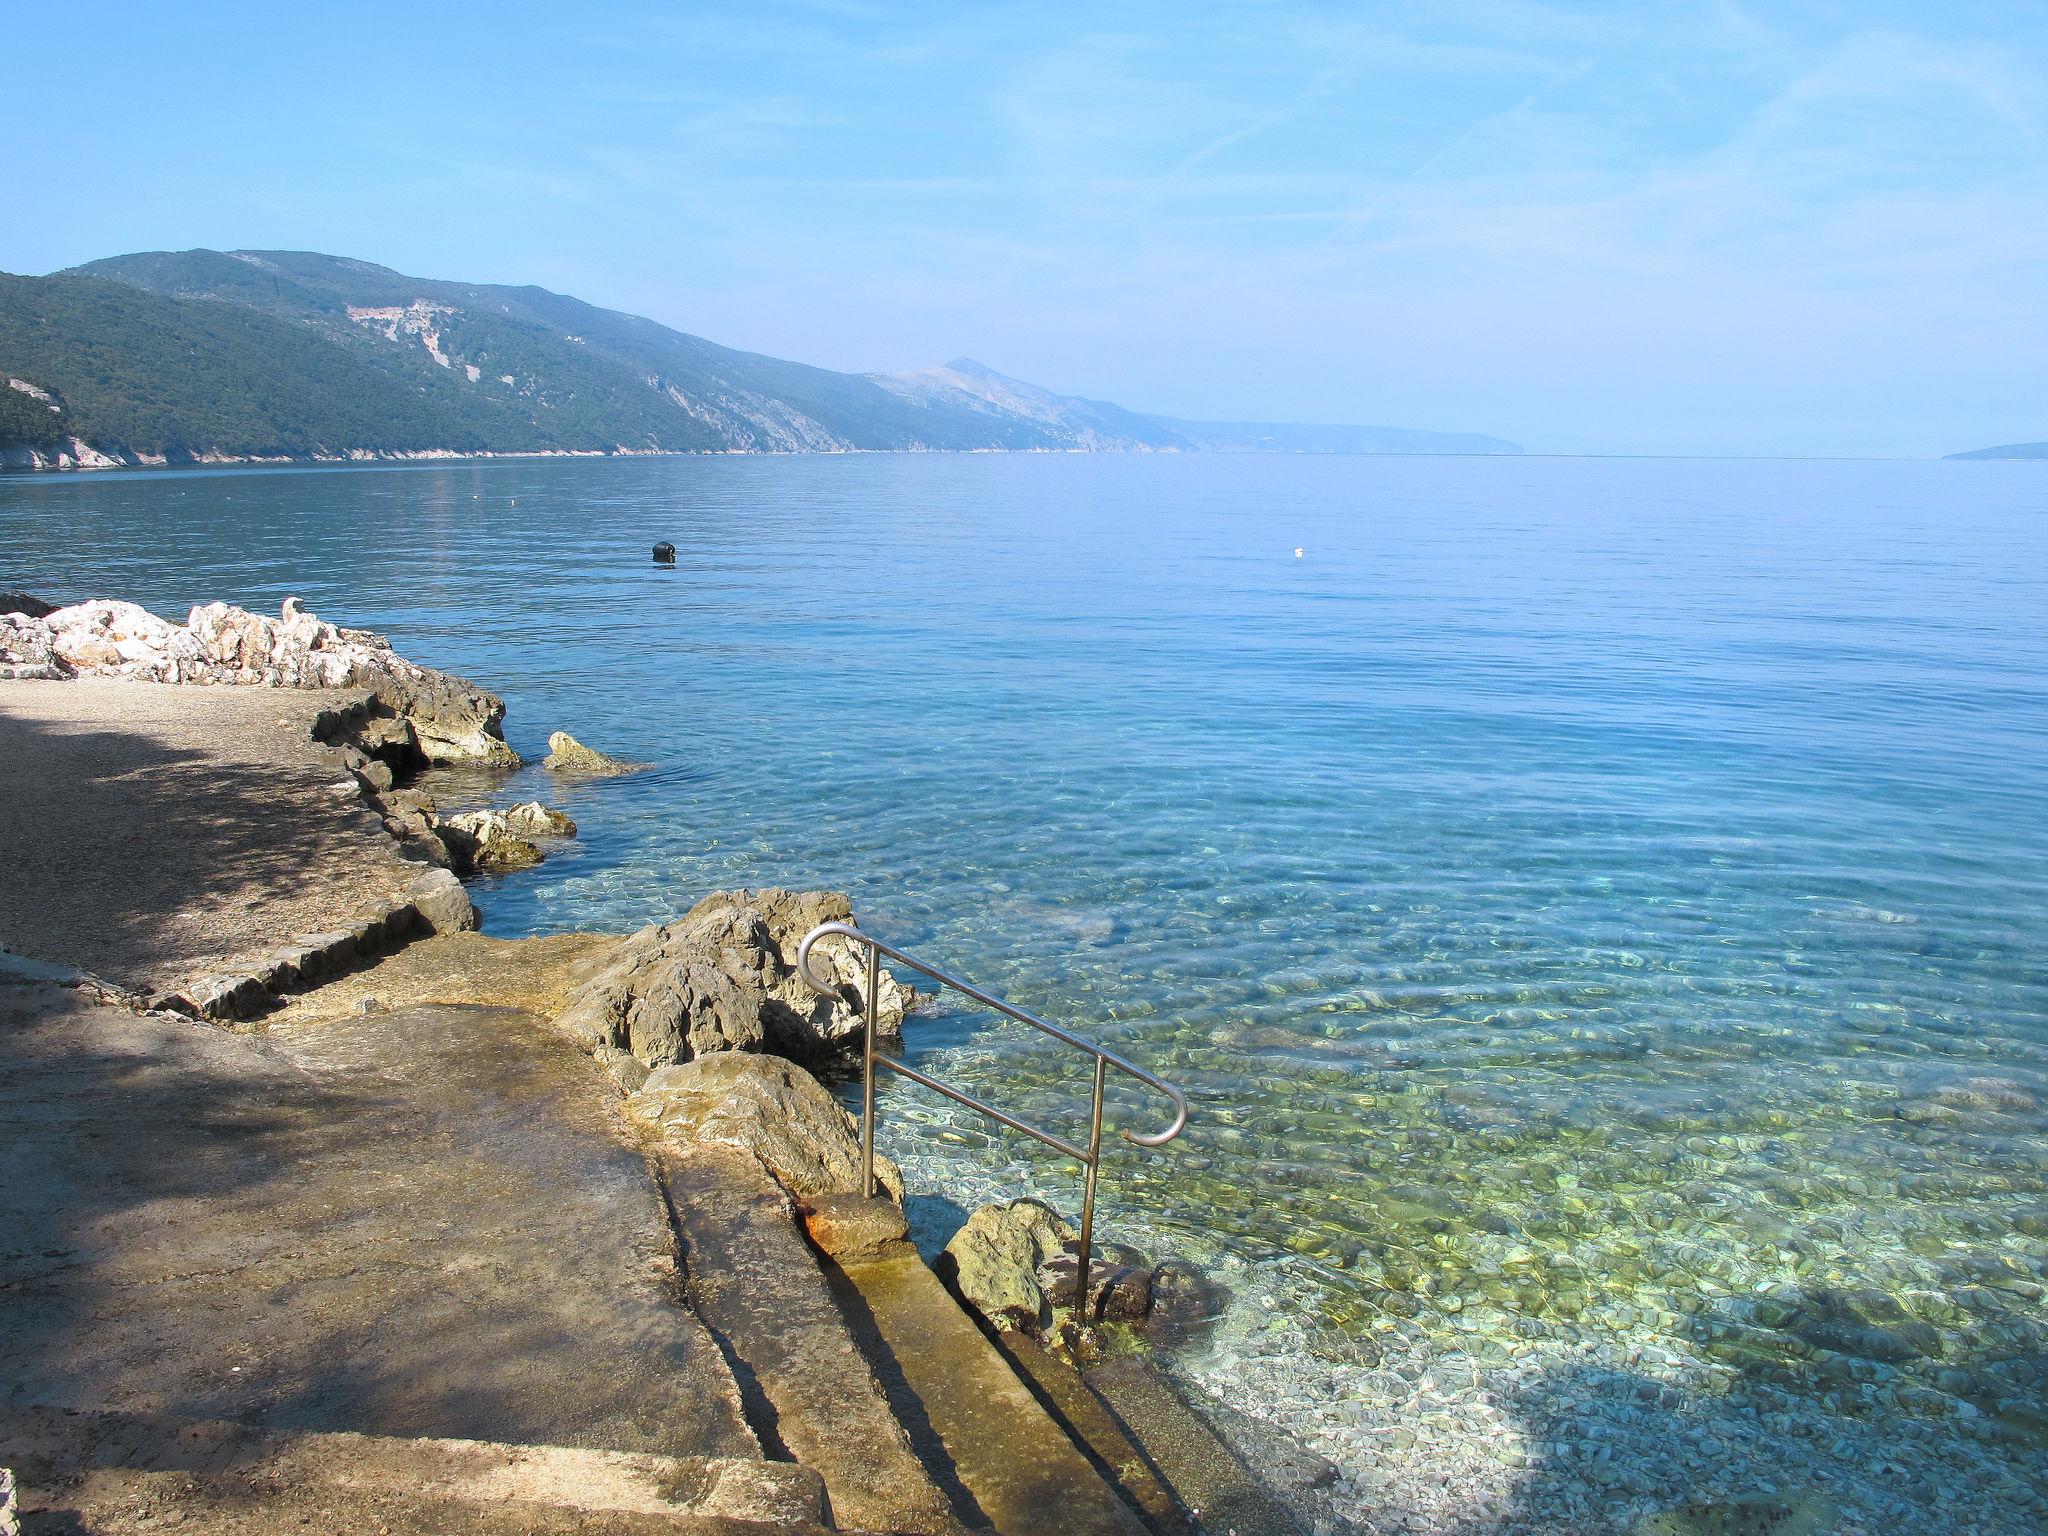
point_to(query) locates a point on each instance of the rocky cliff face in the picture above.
(424, 716)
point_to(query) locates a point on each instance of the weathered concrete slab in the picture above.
(811, 1393)
(1099, 1434)
(1225, 1498)
(535, 975)
(127, 1503)
(967, 1412)
(152, 834)
(424, 1222)
(58, 1453)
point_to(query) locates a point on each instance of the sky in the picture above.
(1715, 228)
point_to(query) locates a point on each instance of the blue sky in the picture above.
(1607, 228)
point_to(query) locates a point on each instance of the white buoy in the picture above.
(1298, 551)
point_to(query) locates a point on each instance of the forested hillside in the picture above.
(283, 354)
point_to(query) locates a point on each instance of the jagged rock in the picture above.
(993, 1262)
(568, 755)
(446, 720)
(724, 979)
(768, 1107)
(501, 840)
(22, 603)
(28, 650)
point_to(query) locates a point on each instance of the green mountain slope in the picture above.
(197, 354)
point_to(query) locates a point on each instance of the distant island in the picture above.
(237, 356)
(2007, 451)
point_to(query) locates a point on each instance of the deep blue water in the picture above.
(1640, 860)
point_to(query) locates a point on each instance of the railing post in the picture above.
(867, 1075)
(1088, 1195)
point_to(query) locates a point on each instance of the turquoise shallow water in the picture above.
(1586, 899)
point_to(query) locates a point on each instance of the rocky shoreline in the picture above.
(1446, 1415)
(704, 1024)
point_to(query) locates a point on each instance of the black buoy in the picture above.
(664, 553)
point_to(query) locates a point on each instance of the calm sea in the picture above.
(1594, 906)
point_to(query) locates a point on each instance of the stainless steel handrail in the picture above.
(1089, 1156)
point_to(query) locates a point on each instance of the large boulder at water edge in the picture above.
(431, 717)
(993, 1262)
(770, 1108)
(724, 978)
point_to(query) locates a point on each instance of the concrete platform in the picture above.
(109, 1471)
(425, 1222)
(152, 833)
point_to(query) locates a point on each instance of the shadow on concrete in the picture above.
(415, 1224)
(905, 1406)
(139, 860)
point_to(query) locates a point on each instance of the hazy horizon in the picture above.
(1591, 229)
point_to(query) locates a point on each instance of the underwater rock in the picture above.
(1791, 1514)
(1184, 1300)
(1865, 1323)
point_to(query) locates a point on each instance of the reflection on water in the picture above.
(1597, 907)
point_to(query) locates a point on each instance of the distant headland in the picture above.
(281, 356)
(2007, 451)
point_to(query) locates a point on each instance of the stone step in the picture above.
(1102, 1437)
(808, 1390)
(1006, 1463)
(111, 1467)
(1180, 1447)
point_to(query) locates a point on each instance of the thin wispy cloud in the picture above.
(1690, 227)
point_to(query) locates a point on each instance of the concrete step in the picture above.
(116, 1470)
(1099, 1433)
(1183, 1451)
(808, 1390)
(1005, 1462)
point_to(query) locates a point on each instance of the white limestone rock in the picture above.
(446, 720)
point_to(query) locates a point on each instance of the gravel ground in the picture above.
(148, 832)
